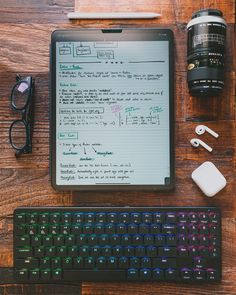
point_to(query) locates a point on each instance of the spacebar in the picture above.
(94, 275)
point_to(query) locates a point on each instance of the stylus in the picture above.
(116, 15)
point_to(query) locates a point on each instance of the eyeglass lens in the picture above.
(18, 134)
(20, 95)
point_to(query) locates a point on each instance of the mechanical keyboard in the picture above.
(71, 244)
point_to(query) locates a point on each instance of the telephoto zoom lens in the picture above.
(206, 49)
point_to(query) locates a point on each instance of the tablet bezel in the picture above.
(122, 34)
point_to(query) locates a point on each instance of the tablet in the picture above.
(112, 109)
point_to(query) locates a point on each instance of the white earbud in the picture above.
(200, 129)
(196, 142)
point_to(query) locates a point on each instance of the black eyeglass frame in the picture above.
(27, 115)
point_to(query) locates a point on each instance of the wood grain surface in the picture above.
(25, 28)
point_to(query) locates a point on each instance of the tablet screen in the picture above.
(112, 113)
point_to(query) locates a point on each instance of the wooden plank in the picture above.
(34, 11)
(58, 289)
(179, 11)
(17, 56)
(48, 11)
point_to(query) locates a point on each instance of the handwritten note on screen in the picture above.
(112, 113)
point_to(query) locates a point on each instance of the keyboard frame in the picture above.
(115, 209)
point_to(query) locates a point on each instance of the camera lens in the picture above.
(206, 47)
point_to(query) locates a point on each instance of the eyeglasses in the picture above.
(20, 132)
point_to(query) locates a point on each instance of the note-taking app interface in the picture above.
(112, 113)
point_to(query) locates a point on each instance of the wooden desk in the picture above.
(25, 28)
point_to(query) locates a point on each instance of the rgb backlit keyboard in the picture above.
(66, 244)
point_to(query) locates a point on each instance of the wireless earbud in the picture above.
(196, 142)
(200, 129)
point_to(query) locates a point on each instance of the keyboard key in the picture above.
(124, 218)
(129, 251)
(34, 275)
(183, 251)
(171, 217)
(135, 218)
(193, 217)
(167, 251)
(76, 229)
(148, 240)
(45, 262)
(112, 218)
(46, 274)
(132, 274)
(106, 251)
(171, 274)
(78, 217)
(56, 262)
(123, 263)
(137, 240)
(99, 228)
(58, 240)
(158, 217)
(199, 262)
(22, 240)
(67, 262)
(214, 217)
(50, 251)
(203, 217)
(132, 228)
(151, 251)
(89, 263)
(145, 274)
(182, 217)
(101, 262)
(140, 251)
(212, 275)
(72, 251)
(160, 240)
(32, 218)
(183, 228)
(186, 274)
(146, 262)
(164, 262)
(112, 262)
(89, 217)
(36, 240)
(169, 229)
(78, 262)
(43, 218)
(20, 218)
(121, 228)
(199, 274)
(117, 251)
(57, 274)
(55, 218)
(66, 218)
(110, 229)
(171, 240)
(125, 240)
(24, 252)
(147, 217)
(193, 229)
(143, 228)
(27, 263)
(21, 274)
(135, 262)
(47, 240)
(155, 228)
(158, 274)
(101, 217)
(203, 229)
